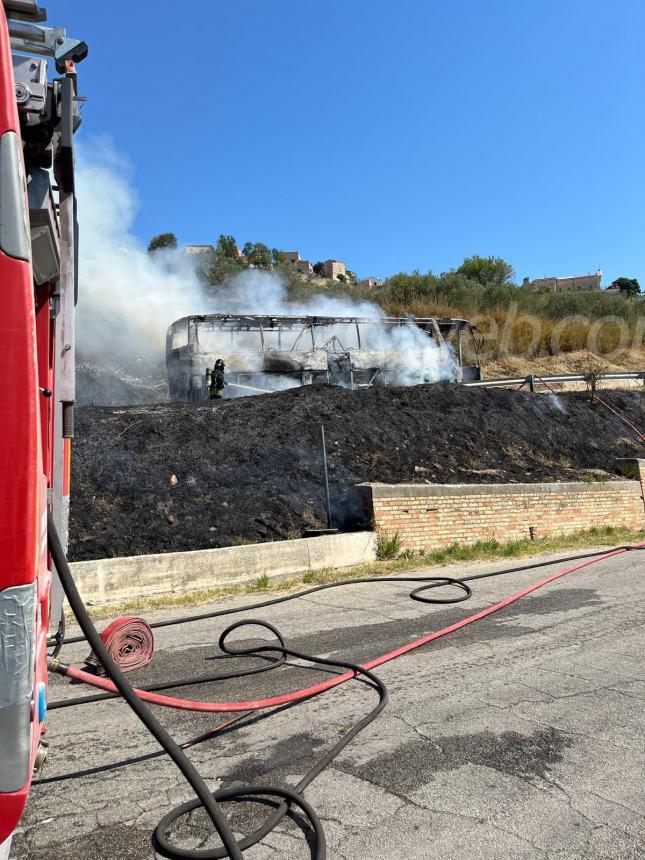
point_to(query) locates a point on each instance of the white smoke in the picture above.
(255, 291)
(409, 355)
(127, 298)
(556, 403)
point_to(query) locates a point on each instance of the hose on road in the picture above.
(130, 642)
(284, 799)
(206, 798)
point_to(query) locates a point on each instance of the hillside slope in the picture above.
(249, 469)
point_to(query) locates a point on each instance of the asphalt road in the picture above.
(520, 736)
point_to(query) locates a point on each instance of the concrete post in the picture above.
(634, 467)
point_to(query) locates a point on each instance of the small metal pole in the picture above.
(324, 457)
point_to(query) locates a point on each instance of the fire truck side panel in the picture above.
(21, 482)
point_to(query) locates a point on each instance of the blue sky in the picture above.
(391, 135)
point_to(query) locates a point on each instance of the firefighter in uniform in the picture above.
(217, 383)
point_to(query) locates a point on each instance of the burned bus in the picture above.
(269, 353)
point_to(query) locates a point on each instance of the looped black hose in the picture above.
(237, 795)
(437, 583)
(288, 796)
(204, 797)
(122, 684)
(240, 651)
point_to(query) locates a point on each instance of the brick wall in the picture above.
(428, 516)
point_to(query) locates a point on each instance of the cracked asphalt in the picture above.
(520, 736)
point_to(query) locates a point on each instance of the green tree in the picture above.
(258, 254)
(226, 261)
(630, 286)
(319, 269)
(278, 256)
(163, 240)
(227, 247)
(487, 270)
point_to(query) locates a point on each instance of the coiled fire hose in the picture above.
(118, 684)
(130, 642)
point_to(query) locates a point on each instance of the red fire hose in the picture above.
(130, 643)
(284, 799)
(620, 415)
(308, 692)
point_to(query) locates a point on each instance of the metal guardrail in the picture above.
(532, 380)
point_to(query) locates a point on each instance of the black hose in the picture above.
(277, 653)
(288, 795)
(119, 680)
(432, 582)
(204, 797)
(59, 636)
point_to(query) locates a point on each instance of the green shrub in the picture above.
(388, 547)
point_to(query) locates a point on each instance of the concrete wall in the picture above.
(124, 578)
(429, 516)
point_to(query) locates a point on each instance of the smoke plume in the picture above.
(408, 354)
(128, 298)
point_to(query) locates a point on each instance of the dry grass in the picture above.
(513, 333)
(519, 365)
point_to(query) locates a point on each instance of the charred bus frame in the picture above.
(303, 350)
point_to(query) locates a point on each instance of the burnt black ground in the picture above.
(250, 469)
(131, 381)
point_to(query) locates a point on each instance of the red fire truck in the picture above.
(39, 114)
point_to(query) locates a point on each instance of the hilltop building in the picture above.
(303, 266)
(199, 249)
(334, 268)
(571, 284)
